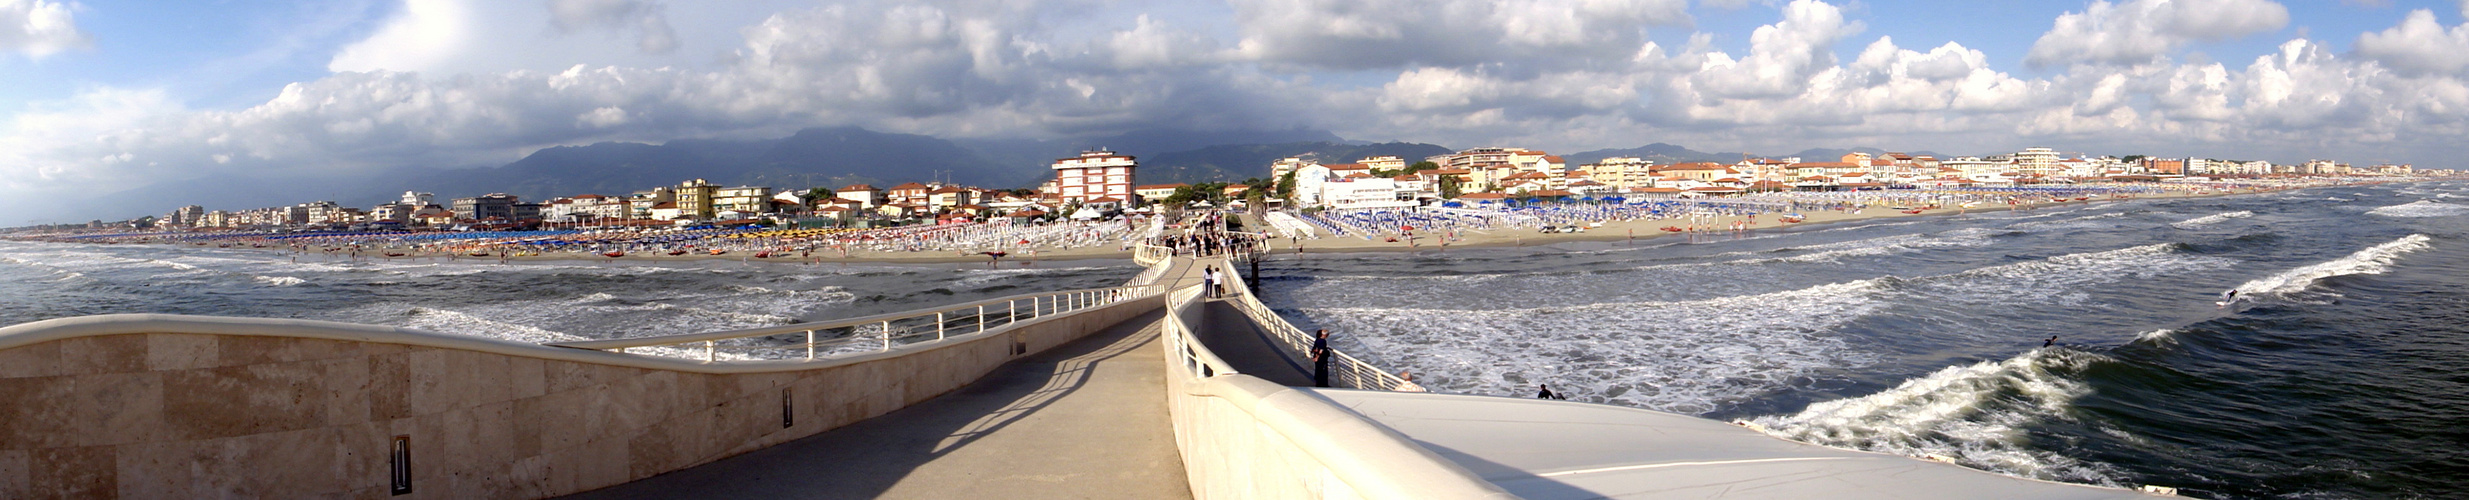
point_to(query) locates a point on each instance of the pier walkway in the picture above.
(1083, 420)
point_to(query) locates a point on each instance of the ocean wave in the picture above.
(2372, 260)
(2212, 219)
(1689, 357)
(2421, 208)
(474, 325)
(1976, 415)
(279, 280)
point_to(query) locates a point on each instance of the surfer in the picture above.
(2052, 341)
(2228, 297)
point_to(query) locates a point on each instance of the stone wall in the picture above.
(158, 406)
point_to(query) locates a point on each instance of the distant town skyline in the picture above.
(110, 96)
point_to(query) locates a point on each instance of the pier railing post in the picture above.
(810, 345)
(887, 335)
(711, 351)
(938, 325)
(981, 318)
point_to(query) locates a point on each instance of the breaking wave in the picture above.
(2372, 260)
(2211, 219)
(2421, 208)
(1974, 415)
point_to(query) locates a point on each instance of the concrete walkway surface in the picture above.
(1083, 420)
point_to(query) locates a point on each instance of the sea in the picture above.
(2341, 369)
(540, 301)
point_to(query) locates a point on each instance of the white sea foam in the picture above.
(462, 323)
(279, 280)
(2212, 219)
(1975, 414)
(2421, 208)
(2372, 260)
(1691, 357)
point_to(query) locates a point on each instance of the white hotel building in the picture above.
(1095, 176)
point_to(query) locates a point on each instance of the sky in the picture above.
(106, 96)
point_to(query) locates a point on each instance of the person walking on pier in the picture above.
(1320, 359)
(1208, 281)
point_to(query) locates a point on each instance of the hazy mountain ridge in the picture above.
(830, 157)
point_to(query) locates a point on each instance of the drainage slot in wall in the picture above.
(788, 412)
(402, 465)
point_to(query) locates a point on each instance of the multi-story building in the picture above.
(1279, 168)
(1384, 163)
(1095, 175)
(640, 204)
(950, 197)
(867, 196)
(745, 199)
(695, 199)
(484, 207)
(2038, 161)
(418, 199)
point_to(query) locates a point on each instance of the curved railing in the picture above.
(1231, 426)
(880, 332)
(1345, 370)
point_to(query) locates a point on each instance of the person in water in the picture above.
(2052, 341)
(2229, 296)
(1546, 393)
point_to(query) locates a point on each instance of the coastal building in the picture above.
(907, 193)
(745, 199)
(2037, 162)
(1278, 169)
(1621, 172)
(418, 199)
(1384, 163)
(950, 197)
(1095, 174)
(1154, 192)
(640, 204)
(484, 207)
(865, 195)
(695, 199)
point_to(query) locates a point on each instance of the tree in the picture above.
(815, 195)
(1450, 187)
(1286, 186)
(1421, 166)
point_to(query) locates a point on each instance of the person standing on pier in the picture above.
(1320, 359)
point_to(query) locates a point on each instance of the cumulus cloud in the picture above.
(2419, 45)
(2139, 31)
(428, 35)
(1520, 73)
(38, 28)
(1366, 34)
(648, 21)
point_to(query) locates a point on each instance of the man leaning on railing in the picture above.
(1320, 359)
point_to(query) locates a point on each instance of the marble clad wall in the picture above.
(174, 415)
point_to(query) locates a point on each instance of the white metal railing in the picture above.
(1182, 316)
(879, 332)
(1345, 370)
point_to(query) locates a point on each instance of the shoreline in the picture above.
(1609, 231)
(1616, 231)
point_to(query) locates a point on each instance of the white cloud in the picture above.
(427, 36)
(1782, 56)
(39, 28)
(2138, 31)
(2418, 45)
(1364, 34)
(990, 68)
(648, 20)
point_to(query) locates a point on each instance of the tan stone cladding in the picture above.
(219, 415)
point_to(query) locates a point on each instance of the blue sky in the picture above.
(108, 95)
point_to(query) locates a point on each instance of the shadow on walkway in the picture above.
(1084, 420)
(1230, 334)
